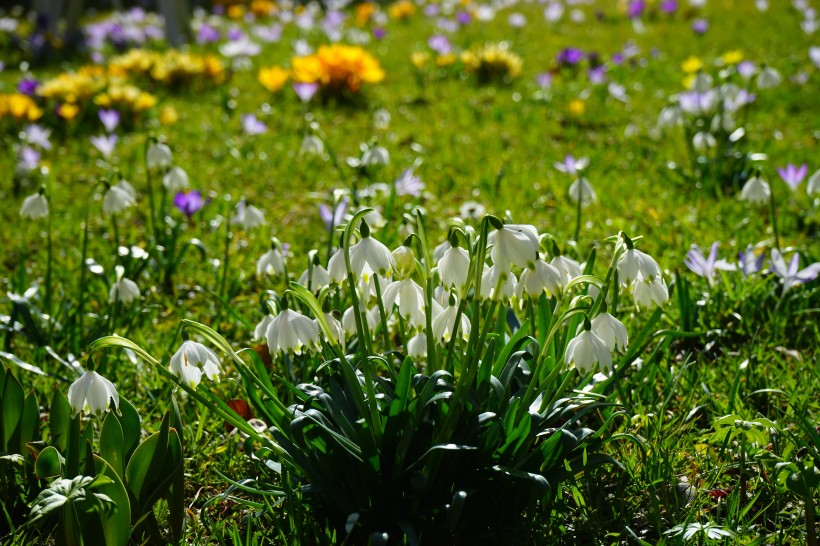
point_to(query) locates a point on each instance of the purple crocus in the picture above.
(440, 44)
(572, 166)
(207, 34)
(793, 175)
(700, 26)
(431, 10)
(252, 126)
(597, 75)
(189, 202)
(792, 275)
(105, 144)
(28, 86)
(379, 33)
(110, 119)
(29, 159)
(37, 135)
(669, 6)
(409, 184)
(570, 56)
(750, 264)
(464, 17)
(335, 217)
(746, 69)
(235, 34)
(544, 80)
(305, 91)
(635, 8)
(706, 267)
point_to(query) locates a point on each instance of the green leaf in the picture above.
(49, 463)
(116, 524)
(30, 425)
(131, 428)
(117, 341)
(112, 445)
(59, 420)
(13, 403)
(19, 363)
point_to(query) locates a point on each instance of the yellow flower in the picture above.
(364, 12)
(337, 66)
(20, 107)
(492, 62)
(732, 57)
(236, 11)
(445, 60)
(401, 9)
(577, 107)
(144, 102)
(263, 8)
(691, 65)
(419, 59)
(68, 111)
(168, 115)
(274, 78)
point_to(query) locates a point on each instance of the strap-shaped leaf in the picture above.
(13, 400)
(112, 445)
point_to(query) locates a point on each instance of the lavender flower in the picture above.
(336, 216)
(792, 275)
(750, 264)
(570, 56)
(189, 202)
(635, 8)
(597, 75)
(110, 119)
(409, 184)
(29, 159)
(37, 135)
(669, 6)
(305, 91)
(105, 144)
(544, 80)
(440, 44)
(572, 166)
(28, 86)
(793, 175)
(252, 126)
(700, 26)
(464, 17)
(706, 267)
(207, 34)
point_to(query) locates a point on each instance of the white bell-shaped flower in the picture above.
(191, 360)
(349, 320)
(514, 244)
(648, 292)
(569, 268)
(336, 330)
(261, 329)
(813, 185)
(755, 191)
(490, 283)
(538, 279)
(92, 393)
(417, 347)
(292, 332)
(34, 206)
(248, 216)
(408, 296)
(453, 267)
(444, 324)
(271, 262)
(583, 190)
(768, 78)
(336, 267)
(123, 290)
(634, 264)
(611, 330)
(586, 350)
(117, 198)
(176, 180)
(314, 278)
(159, 156)
(369, 252)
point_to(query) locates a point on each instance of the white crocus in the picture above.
(159, 156)
(514, 244)
(538, 279)
(117, 199)
(248, 216)
(586, 350)
(92, 393)
(34, 206)
(583, 190)
(123, 290)
(490, 282)
(186, 363)
(611, 330)
(408, 296)
(444, 324)
(755, 191)
(176, 180)
(292, 332)
(453, 267)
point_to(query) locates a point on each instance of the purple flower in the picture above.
(447, 25)
(235, 34)
(440, 44)
(28, 86)
(517, 20)
(110, 119)
(597, 75)
(700, 26)
(105, 144)
(29, 159)
(252, 126)
(37, 135)
(669, 6)
(746, 69)
(189, 202)
(706, 267)
(544, 80)
(635, 8)
(431, 10)
(792, 275)
(749, 263)
(570, 56)
(696, 103)
(305, 91)
(618, 59)
(207, 34)
(268, 34)
(793, 175)
(336, 216)
(409, 184)
(379, 33)
(464, 17)
(572, 166)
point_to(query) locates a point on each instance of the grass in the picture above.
(494, 145)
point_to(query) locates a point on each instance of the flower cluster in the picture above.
(169, 68)
(337, 68)
(19, 107)
(492, 63)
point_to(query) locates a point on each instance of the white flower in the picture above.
(123, 290)
(336, 267)
(471, 210)
(176, 180)
(248, 216)
(489, 283)
(405, 261)
(583, 190)
(349, 320)
(444, 324)
(569, 268)
(813, 185)
(453, 267)
(646, 292)
(186, 362)
(670, 116)
(375, 155)
(292, 332)
(34, 206)
(312, 145)
(768, 77)
(408, 296)
(755, 191)
(634, 264)
(318, 278)
(262, 327)
(541, 277)
(514, 244)
(159, 156)
(417, 347)
(92, 393)
(117, 199)
(611, 330)
(336, 329)
(703, 141)
(373, 254)
(586, 350)
(271, 263)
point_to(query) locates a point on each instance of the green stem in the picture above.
(578, 210)
(773, 219)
